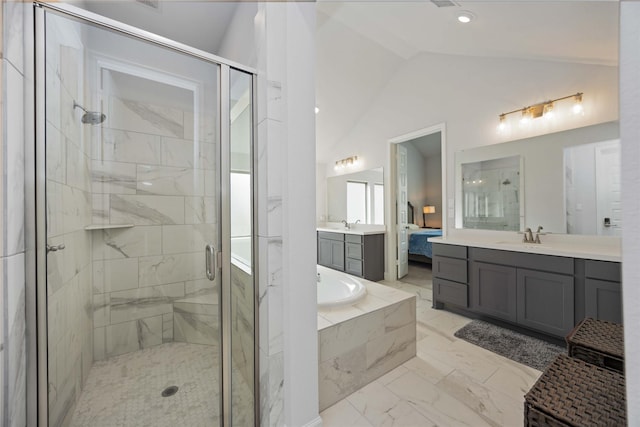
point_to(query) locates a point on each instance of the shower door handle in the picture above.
(210, 259)
(55, 248)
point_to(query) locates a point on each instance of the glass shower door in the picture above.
(132, 152)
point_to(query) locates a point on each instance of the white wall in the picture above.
(433, 189)
(432, 88)
(630, 139)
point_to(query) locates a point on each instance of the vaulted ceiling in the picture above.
(361, 45)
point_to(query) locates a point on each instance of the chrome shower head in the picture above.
(90, 117)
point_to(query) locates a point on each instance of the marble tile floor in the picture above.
(126, 390)
(449, 383)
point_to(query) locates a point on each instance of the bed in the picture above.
(419, 248)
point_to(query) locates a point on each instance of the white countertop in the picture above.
(358, 229)
(586, 247)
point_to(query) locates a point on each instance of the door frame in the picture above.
(36, 310)
(391, 181)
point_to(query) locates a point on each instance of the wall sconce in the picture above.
(347, 163)
(427, 210)
(542, 109)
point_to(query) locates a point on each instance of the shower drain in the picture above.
(170, 391)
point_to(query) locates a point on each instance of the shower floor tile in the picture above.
(126, 390)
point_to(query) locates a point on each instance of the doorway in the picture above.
(418, 195)
(146, 283)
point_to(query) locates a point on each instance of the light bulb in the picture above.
(317, 110)
(526, 117)
(548, 111)
(503, 123)
(577, 106)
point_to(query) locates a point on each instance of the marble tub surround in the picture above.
(449, 382)
(358, 344)
(603, 248)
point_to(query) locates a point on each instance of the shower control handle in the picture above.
(54, 248)
(210, 260)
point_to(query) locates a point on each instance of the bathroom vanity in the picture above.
(546, 288)
(357, 252)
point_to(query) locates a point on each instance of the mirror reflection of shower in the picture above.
(90, 117)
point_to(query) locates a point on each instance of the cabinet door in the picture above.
(603, 300)
(331, 254)
(337, 255)
(493, 290)
(545, 301)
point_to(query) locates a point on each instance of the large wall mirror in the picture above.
(569, 180)
(357, 196)
(491, 194)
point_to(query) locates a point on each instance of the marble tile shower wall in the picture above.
(68, 189)
(12, 201)
(148, 171)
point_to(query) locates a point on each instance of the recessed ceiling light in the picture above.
(465, 16)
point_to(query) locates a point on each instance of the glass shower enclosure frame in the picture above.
(218, 260)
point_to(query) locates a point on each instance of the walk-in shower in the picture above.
(135, 328)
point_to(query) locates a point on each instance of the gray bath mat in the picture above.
(521, 348)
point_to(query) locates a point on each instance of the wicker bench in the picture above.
(598, 342)
(572, 392)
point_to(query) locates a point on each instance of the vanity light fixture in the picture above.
(347, 163)
(542, 109)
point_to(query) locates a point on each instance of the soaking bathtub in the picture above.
(336, 289)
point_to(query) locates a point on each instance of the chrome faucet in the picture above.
(346, 224)
(538, 235)
(528, 236)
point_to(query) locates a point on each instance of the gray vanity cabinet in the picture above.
(493, 290)
(331, 250)
(360, 255)
(545, 301)
(603, 290)
(530, 290)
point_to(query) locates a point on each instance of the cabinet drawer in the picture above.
(550, 263)
(353, 238)
(450, 268)
(353, 250)
(452, 292)
(452, 251)
(603, 270)
(330, 236)
(353, 266)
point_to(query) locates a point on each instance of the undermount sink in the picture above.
(524, 245)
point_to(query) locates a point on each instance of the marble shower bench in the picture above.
(359, 343)
(195, 320)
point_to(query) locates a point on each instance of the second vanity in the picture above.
(548, 288)
(359, 252)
